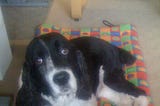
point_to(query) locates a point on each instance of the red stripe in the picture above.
(142, 75)
(136, 51)
(145, 89)
(95, 33)
(140, 63)
(133, 33)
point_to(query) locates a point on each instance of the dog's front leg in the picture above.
(134, 97)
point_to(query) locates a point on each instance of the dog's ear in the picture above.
(26, 75)
(25, 87)
(84, 89)
(126, 57)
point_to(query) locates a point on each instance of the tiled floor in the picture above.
(144, 14)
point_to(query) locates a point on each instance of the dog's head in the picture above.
(54, 67)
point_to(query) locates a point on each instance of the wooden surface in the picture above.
(77, 8)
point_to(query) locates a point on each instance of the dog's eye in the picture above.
(64, 51)
(39, 61)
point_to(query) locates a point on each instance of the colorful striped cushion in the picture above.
(123, 36)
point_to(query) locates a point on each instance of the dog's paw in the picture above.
(141, 101)
(126, 100)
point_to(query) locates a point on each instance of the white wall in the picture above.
(5, 51)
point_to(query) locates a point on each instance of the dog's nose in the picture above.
(61, 78)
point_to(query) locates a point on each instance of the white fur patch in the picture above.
(20, 82)
(70, 101)
(141, 101)
(120, 99)
(72, 84)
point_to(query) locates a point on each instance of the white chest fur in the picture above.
(70, 101)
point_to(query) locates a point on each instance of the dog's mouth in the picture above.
(66, 91)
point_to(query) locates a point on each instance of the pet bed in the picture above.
(123, 36)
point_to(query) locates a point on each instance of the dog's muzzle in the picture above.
(61, 78)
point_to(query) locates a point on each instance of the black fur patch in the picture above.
(98, 52)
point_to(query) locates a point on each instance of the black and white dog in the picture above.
(58, 72)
